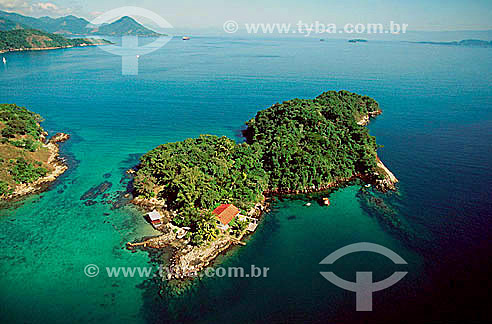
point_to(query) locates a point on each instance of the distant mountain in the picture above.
(125, 26)
(466, 42)
(71, 25)
(6, 25)
(32, 39)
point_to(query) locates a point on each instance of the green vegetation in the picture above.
(195, 175)
(19, 121)
(25, 172)
(25, 39)
(312, 143)
(297, 145)
(23, 158)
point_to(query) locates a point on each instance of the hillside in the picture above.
(24, 157)
(6, 25)
(31, 39)
(71, 25)
(125, 26)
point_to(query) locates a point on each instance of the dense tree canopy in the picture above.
(308, 143)
(299, 144)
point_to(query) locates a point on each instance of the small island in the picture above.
(36, 40)
(358, 40)
(28, 162)
(206, 193)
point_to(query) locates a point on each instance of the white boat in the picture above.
(4, 60)
(186, 38)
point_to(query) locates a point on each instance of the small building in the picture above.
(225, 214)
(155, 218)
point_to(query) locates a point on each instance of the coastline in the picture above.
(48, 48)
(59, 167)
(187, 260)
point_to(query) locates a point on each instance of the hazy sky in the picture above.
(418, 14)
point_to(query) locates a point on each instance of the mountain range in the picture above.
(71, 25)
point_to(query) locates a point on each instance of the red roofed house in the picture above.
(225, 213)
(155, 218)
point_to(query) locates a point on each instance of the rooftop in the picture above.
(226, 213)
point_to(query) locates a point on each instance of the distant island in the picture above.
(35, 40)
(466, 42)
(298, 146)
(28, 162)
(71, 25)
(358, 40)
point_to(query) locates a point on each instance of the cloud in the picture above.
(33, 8)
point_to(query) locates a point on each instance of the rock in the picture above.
(95, 191)
(90, 202)
(59, 138)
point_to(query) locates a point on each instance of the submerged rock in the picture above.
(95, 191)
(90, 202)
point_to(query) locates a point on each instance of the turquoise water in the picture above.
(436, 135)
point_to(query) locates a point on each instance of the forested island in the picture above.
(27, 161)
(298, 146)
(32, 39)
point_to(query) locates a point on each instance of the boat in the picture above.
(368, 185)
(186, 38)
(326, 201)
(4, 60)
(307, 204)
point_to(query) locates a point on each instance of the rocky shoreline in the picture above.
(58, 165)
(186, 259)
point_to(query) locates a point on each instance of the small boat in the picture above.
(4, 60)
(138, 56)
(186, 38)
(368, 185)
(307, 204)
(326, 201)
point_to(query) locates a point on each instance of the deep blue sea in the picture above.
(435, 128)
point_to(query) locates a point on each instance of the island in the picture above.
(466, 42)
(28, 161)
(206, 193)
(36, 40)
(358, 40)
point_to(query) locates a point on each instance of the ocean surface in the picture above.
(435, 128)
